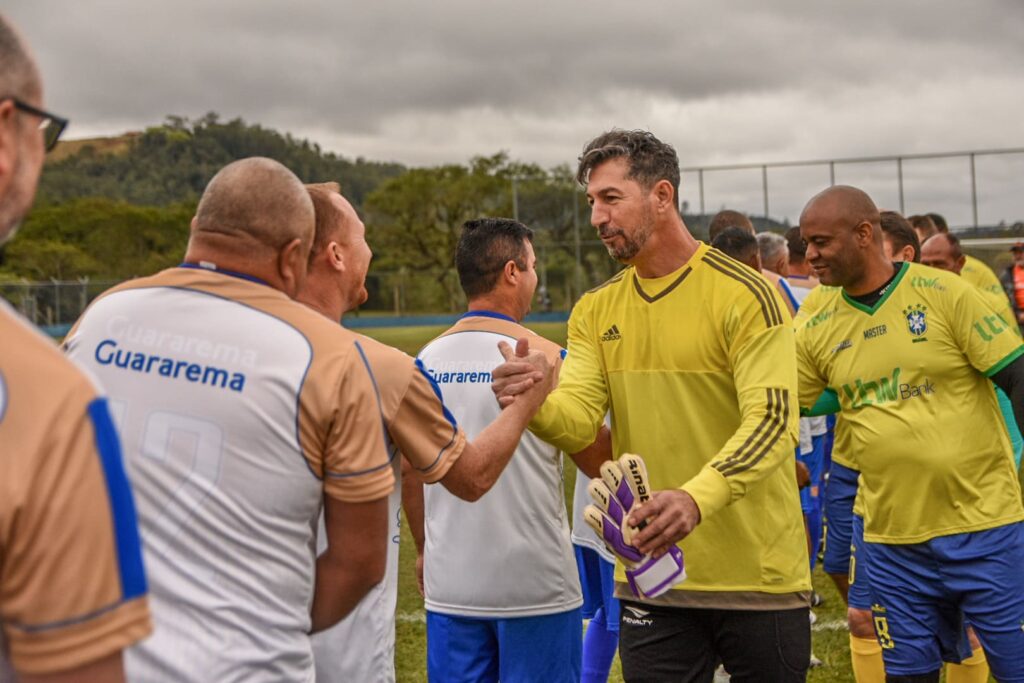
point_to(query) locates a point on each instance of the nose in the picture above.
(812, 252)
(598, 215)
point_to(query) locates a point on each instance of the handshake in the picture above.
(622, 486)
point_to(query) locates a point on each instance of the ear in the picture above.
(8, 143)
(292, 262)
(907, 253)
(864, 233)
(335, 256)
(510, 272)
(664, 195)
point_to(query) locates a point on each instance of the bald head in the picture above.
(255, 200)
(842, 229)
(845, 204)
(943, 251)
(19, 76)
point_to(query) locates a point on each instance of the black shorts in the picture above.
(660, 644)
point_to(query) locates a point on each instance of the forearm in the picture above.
(355, 559)
(412, 503)
(484, 459)
(590, 459)
(764, 441)
(1011, 380)
(107, 670)
(569, 424)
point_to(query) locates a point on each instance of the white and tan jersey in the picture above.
(419, 428)
(72, 586)
(477, 554)
(240, 410)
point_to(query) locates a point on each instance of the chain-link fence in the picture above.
(53, 304)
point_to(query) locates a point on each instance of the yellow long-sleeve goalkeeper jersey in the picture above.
(924, 424)
(698, 371)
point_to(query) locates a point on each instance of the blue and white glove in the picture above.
(624, 485)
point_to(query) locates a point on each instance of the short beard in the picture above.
(631, 246)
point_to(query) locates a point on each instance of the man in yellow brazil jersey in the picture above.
(907, 352)
(693, 355)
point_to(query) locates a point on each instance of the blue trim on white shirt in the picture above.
(488, 314)
(211, 268)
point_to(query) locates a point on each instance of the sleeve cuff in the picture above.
(709, 490)
(827, 404)
(1012, 356)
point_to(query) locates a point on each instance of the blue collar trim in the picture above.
(487, 314)
(214, 269)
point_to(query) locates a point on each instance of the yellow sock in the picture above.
(974, 669)
(866, 657)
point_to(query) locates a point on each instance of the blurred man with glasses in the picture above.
(72, 587)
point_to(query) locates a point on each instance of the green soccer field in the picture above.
(830, 637)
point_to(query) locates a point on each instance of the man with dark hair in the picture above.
(740, 245)
(502, 595)
(923, 226)
(247, 415)
(943, 529)
(899, 239)
(939, 221)
(72, 586)
(419, 427)
(687, 332)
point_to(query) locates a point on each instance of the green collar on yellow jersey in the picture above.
(870, 310)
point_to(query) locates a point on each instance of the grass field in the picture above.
(830, 637)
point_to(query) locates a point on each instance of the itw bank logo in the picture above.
(885, 390)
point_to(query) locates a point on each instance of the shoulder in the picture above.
(733, 286)
(818, 308)
(935, 284)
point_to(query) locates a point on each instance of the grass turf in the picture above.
(829, 635)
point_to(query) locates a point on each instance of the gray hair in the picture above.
(772, 247)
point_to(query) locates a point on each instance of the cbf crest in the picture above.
(917, 320)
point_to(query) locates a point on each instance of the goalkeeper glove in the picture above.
(624, 485)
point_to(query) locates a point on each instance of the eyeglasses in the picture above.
(51, 124)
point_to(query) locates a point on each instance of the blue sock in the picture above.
(599, 645)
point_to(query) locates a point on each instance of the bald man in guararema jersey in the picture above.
(247, 414)
(907, 352)
(421, 436)
(72, 586)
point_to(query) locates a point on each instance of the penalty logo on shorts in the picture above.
(917, 321)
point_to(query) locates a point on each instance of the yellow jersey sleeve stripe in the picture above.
(1012, 356)
(758, 287)
(768, 434)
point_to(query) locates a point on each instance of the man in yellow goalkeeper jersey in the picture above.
(693, 355)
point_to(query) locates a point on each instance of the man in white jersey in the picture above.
(502, 595)
(245, 415)
(420, 431)
(72, 586)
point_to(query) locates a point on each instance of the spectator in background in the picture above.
(974, 270)
(1013, 282)
(899, 239)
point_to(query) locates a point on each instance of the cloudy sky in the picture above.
(436, 81)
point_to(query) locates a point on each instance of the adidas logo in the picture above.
(612, 334)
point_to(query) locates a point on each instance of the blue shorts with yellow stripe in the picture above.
(923, 592)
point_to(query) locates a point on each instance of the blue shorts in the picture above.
(811, 495)
(516, 650)
(597, 578)
(860, 568)
(840, 492)
(923, 593)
